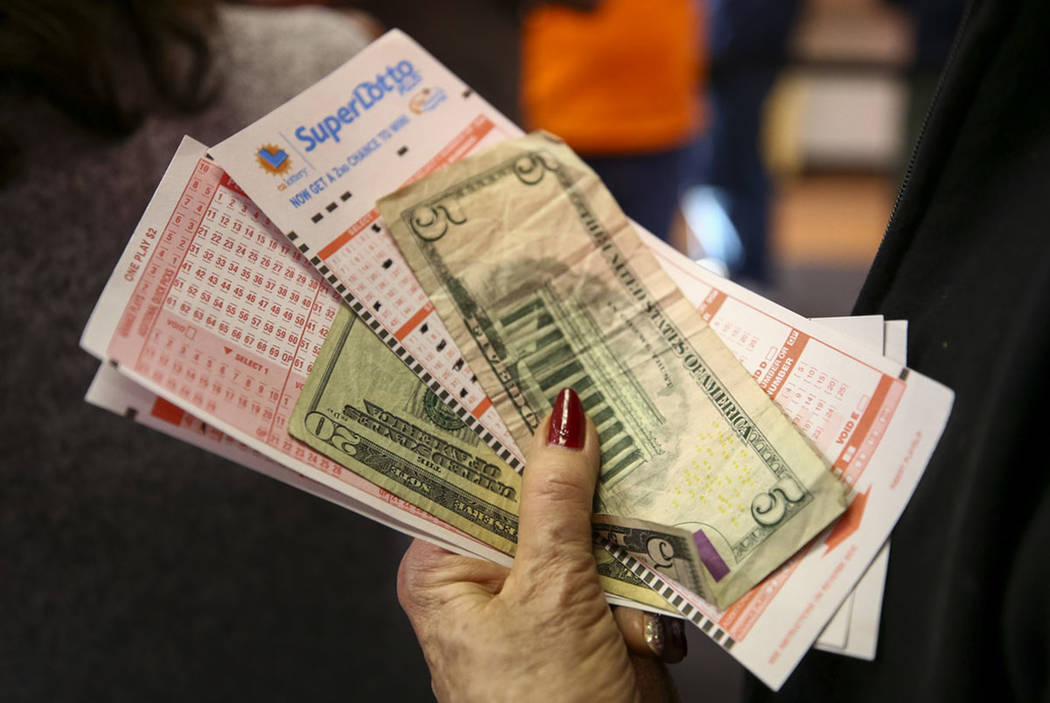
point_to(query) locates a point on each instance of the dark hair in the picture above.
(107, 63)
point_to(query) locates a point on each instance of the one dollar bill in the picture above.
(543, 283)
(363, 408)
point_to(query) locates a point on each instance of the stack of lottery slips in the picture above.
(214, 315)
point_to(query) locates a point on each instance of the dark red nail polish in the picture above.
(568, 427)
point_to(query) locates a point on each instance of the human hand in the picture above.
(542, 629)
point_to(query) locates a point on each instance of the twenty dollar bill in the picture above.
(544, 283)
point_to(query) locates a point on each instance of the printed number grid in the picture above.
(819, 402)
(739, 340)
(373, 269)
(379, 278)
(244, 317)
(811, 396)
(815, 400)
(239, 281)
(234, 320)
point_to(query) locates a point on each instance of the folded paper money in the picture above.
(364, 409)
(544, 283)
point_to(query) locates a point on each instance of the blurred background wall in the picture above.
(835, 134)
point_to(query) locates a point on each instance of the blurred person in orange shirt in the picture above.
(618, 80)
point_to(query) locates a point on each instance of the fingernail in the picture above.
(568, 426)
(665, 637)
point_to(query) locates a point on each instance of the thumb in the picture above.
(557, 490)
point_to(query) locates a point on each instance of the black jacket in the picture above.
(966, 258)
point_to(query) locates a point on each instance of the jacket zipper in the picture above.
(926, 118)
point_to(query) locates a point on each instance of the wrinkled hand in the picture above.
(541, 630)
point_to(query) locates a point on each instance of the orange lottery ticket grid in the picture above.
(213, 310)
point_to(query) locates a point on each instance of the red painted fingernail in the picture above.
(568, 427)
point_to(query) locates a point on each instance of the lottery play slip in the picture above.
(215, 314)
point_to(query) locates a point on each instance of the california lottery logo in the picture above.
(273, 159)
(426, 100)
